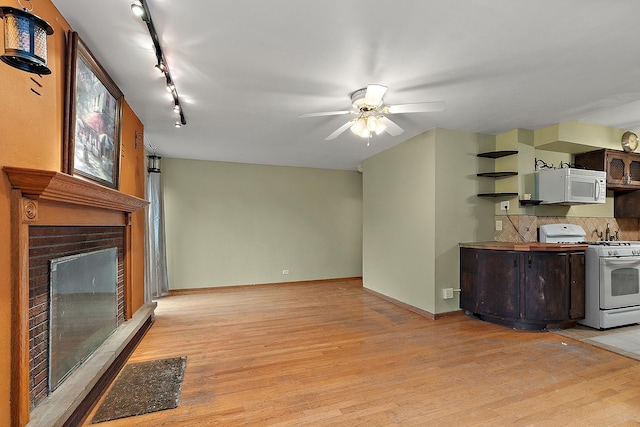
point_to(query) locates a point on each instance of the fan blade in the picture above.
(325, 113)
(392, 128)
(374, 94)
(419, 107)
(339, 130)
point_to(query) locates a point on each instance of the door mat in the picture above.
(142, 388)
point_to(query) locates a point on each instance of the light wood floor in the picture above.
(332, 354)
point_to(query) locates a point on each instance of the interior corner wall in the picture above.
(419, 202)
(132, 179)
(399, 189)
(233, 224)
(461, 216)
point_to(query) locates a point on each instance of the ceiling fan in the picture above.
(368, 105)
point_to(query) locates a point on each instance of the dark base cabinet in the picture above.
(525, 290)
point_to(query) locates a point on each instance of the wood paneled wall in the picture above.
(31, 137)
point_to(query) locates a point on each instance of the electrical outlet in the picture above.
(504, 206)
(285, 272)
(447, 293)
(498, 225)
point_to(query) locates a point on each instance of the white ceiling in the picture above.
(245, 70)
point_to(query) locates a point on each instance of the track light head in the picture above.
(138, 10)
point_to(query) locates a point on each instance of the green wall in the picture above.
(420, 201)
(236, 224)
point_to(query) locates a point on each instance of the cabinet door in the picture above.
(577, 290)
(498, 278)
(617, 168)
(468, 277)
(546, 286)
(623, 168)
(633, 169)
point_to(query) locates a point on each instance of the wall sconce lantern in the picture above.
(25, 40)
(154, 163)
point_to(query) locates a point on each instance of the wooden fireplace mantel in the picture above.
(60, 187)
(51, 198)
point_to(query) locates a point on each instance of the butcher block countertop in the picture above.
(526, 246)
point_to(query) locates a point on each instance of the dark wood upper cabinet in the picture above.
(623, 169)
(623, 177)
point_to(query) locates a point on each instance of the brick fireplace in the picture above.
(46, 244)
(54, 214)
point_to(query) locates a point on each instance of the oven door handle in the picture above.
(622, 261)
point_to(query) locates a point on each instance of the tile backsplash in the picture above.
(524, 228)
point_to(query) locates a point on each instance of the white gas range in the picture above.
(612, 276)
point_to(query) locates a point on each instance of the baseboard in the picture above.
(421, 312)
(354, 281)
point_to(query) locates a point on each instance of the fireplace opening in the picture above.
(83, 308)
(46, 244)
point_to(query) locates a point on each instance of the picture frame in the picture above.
(93, 109)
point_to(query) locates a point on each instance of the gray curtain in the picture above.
(156, 283)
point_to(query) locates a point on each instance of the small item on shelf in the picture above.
(526, 196)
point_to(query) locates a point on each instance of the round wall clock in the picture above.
(629, 141)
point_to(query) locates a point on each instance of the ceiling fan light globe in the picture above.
(365, 133)
(356, 128)
(372, 123)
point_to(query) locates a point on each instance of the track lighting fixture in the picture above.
(140, 8)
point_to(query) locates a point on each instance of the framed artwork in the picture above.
(93, 107)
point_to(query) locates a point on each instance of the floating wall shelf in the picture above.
(497, 194)
(497, 174)
(498, 154)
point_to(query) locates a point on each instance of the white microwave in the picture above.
(571, 186)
